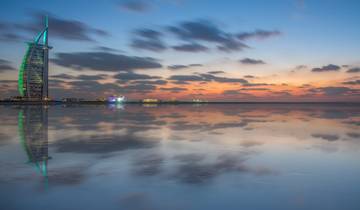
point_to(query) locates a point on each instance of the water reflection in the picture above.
(33, 136)
(181, 157)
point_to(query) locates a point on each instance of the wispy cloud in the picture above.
(104, 61)
(250, 61)
(330, 67)
(5, 65)
(62, 28)
(139, 6)
(148, 39)
(353, 70)
(178, 66)
(258, 34)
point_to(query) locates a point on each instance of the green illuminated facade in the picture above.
(33, 72)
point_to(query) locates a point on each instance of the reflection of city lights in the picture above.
(114, 106)
(119, 106)
(149, 105)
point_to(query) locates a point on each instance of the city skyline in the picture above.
(288, 50)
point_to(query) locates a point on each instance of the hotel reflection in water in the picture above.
(33, 135)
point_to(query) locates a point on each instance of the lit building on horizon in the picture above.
(150, 100)
(33, 72)
(116, 99)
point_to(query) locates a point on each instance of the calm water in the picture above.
(180, 157)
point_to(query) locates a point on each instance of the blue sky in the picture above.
(304, 32)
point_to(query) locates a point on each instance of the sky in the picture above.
(228, 50)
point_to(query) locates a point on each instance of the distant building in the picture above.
(196, 100)
(72, 99)
(150, 100)
(33, 72)
(116, 99)
(101, 99)
(15, 98)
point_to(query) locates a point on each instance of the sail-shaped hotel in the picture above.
(33, 72)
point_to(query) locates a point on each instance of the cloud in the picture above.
(238, 93)
(151, 45)
(249, 76)
(128, 76)
(353, 135)
(204, 30)
(194, 34)
(109, 143)
(148, 33)
(354, 70)
(6, 33)
(258, 34)
(3, 26)
(93, 86)
(63, 28)
(338, 90)
(206, 78)
(195, 64)
(11, 37)
(334, 91)
(5, 65)
(199, 30)
(255, 84)
(82, 88)
(300, 67)
(91, 77)
(231, 92)
(254, 89)
(330, 67)
(327, 137)
(192, 47)
(148, 165)
(67, 176)
(138, 88)
(201, 172)
(354, 82)
(150, 82)
(148, 39)
(174, 89)
(176, 67)
(281, 93)
(216, 72)
(135, 5)
(63, 76)
(105, 49)
(210, 77)
(104, 61)
(83, 77)
(250, 61)
(186, 78)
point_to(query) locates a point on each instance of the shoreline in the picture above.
(165, 103)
